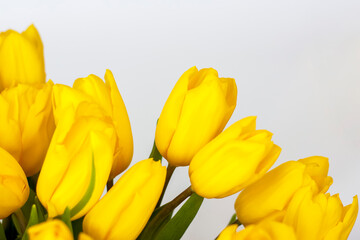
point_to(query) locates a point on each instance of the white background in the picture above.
(296, 65)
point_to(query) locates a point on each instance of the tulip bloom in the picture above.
(320, 216)
(196, 111)
(265, 230)
(271, 194)
(50, 230)
(21, 58)
(234, 159)
(93, 90)
(27, 121)
(14, 188)
(124, 211)
(82, 146)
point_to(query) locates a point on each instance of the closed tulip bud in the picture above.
(80, 155)
(196, 111)
(124, 211)
(50, 230)
(320, 216)
(21, 58)
(272, 193)
(265, 230)
(106, 94)
(27, 121)
(234, 159)
(14, 188)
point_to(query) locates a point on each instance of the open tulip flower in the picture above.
(62, 146)
(320, 216)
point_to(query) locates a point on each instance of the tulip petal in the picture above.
(208, 112)
(135, 194)
(85, 199)
(21, 58)
(269, 194)
(170, 115)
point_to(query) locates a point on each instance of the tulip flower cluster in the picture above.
(64, 146)
(294, 194)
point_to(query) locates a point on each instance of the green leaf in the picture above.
(177, 226)
(33, 220)
(2, 232)
(66, 218)
(85, 199)
(155, 154)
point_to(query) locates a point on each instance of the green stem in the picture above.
(169, 172)
(170, 206)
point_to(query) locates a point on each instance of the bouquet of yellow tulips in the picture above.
(61, 146)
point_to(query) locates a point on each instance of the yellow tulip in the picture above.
(84, 236)
(229, 233)
(27, 121)
(320, 216)
(50, 230)
(21, 58)
(271, 194)
(14, 188)
(265, 230)
(233, 160)
(83, 142)
(196, 111)
(92, 89)
(124, 211)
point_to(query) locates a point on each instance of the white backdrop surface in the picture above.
(296, 65)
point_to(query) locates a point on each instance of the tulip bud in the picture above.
(124, 211)
(265, 230)
(234, 159)
(80, 155)
(14, 188)
(27, 121)
(21, 58)
(50, 230)
(92, 89)
(271, 194)
(196, 111)
(320, 216)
